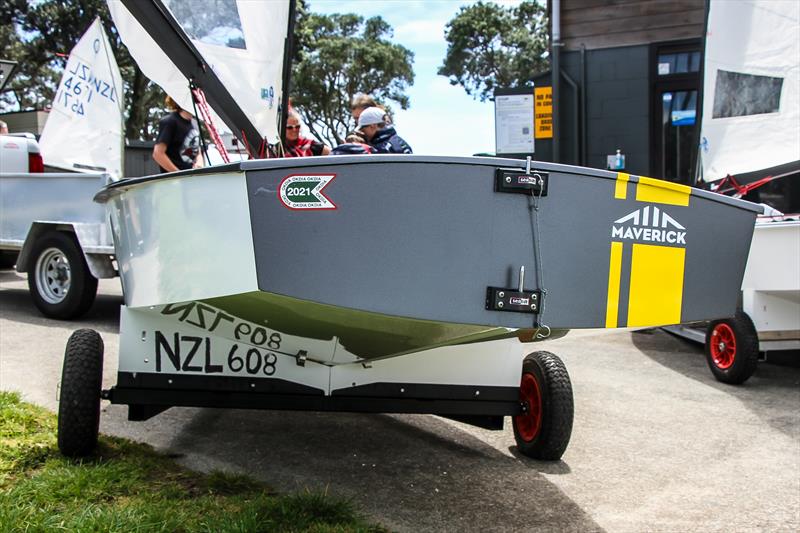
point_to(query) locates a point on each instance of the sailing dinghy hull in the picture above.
(393, 254)
(392, 283)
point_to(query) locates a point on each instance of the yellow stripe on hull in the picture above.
(656, 290)
(621, 188)
(661, 192)
(614, 275)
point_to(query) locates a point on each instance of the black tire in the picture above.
(79, 404)
(58, 262)
(8, 258)
(543, 432)
(732, 348)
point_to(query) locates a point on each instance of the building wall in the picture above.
(611, 23)
(617, 106)
(139, 159)
(25, 121)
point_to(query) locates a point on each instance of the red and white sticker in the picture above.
(305, 191)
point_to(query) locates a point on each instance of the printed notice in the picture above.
(513, 123)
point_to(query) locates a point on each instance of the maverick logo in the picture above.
(649, 225)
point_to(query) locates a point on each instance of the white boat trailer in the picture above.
(769, 315)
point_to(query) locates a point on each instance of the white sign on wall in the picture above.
(513, 123)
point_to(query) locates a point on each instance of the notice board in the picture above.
(514, 121)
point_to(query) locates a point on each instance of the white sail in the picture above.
(242, 41)
(85, 126)
(751, 106)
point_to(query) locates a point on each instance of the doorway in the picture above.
(675, 119)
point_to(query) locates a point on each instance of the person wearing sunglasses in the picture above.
(296, 144)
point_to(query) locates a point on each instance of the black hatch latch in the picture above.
(521, 181)
(501, 299)
(519, 300)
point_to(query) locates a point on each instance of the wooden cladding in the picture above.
(610, 23)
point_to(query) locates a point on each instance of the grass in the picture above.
(128, 487)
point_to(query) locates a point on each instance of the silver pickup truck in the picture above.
(51, 229)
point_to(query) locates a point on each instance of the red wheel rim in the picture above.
(529, 423)
(723, 346)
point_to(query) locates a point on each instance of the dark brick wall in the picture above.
(617, 106)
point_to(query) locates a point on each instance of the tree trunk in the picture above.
(137, 110)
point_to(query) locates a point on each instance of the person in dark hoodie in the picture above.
(380, 135)
(353, 145)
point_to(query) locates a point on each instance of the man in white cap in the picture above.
(380, 135)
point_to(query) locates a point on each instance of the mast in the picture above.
(287, 71)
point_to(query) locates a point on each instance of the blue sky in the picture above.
(442, 119)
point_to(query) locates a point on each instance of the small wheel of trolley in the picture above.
(79, 404)
(60, 282)
(543, 430)
(732, 348)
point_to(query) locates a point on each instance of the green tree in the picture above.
(40, 36)
(338, 56)
(489, 46)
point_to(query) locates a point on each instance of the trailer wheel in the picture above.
(732, 348)
(79, 404)
(544, 429)
(60, 281)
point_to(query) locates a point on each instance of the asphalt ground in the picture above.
(657, 445)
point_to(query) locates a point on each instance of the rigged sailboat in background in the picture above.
(84, 130)
(750, 147)
(751, 104)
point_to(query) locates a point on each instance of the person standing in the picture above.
(296, 144)
(382, 137)
(3, 128)
(178, 142)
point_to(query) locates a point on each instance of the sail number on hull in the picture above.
(249, 349)
(188, 353)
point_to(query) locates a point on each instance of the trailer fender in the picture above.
(98, 257)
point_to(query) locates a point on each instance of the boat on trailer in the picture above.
(389, 283)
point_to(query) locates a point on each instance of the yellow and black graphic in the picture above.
(656, 272)
(543, 112)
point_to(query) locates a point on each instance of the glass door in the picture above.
(678, 123)
(675, 71)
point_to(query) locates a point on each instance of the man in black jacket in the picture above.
(382, 137)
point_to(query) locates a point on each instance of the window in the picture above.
(211, 21)
(737, 94)
(678, 63)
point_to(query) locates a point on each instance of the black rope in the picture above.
(203, 146)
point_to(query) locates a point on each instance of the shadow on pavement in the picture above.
(773, 393)
(410, 472)
(16, 305)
